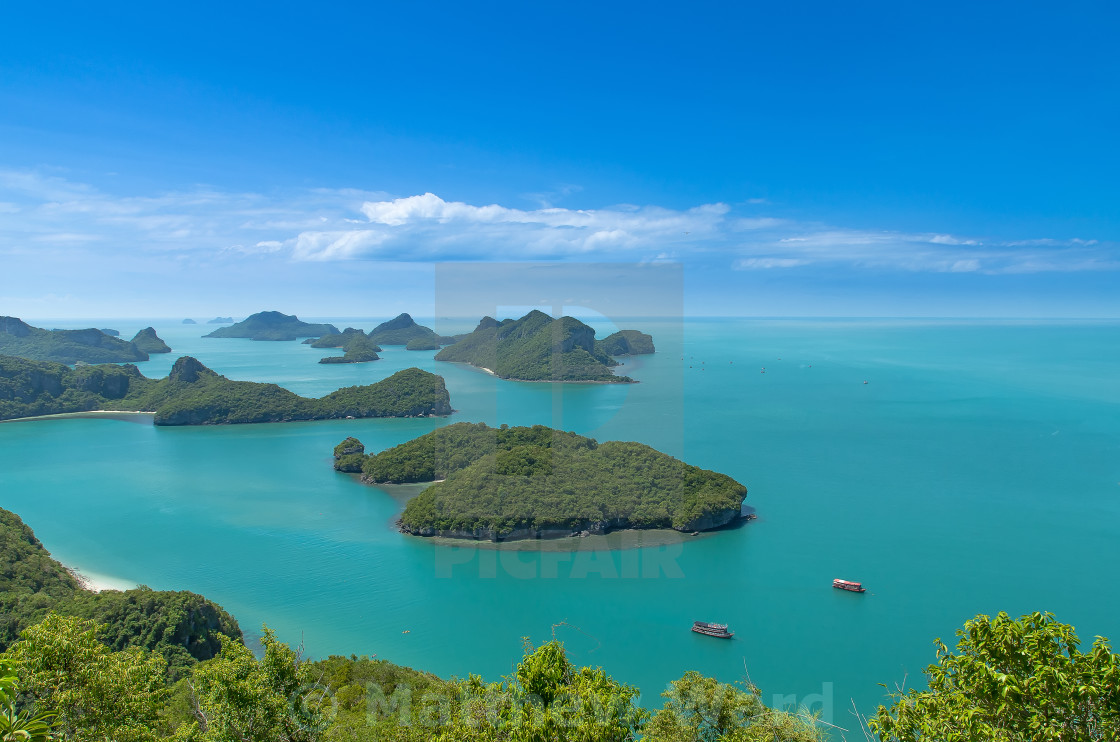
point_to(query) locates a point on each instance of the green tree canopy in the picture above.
(1011, 680)
(95, 693)
(700, 709)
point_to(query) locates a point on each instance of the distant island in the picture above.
(192, 394)
(148, 341)
(423, 343)
(189, 322)
(221, 321)
(626, 343)
(358, 349)
(111, 333)
(272, 326)
(403, 330)
(505, 483)
(17, 338)
(540, 348)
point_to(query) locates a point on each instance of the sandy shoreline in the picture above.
(96, 582)
(126, 415)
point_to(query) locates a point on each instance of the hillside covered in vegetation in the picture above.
(506, 483)
(626, 343)
(272, 326)
(403, 330)
(536, 348)
(181, 626)
(148, 341)
(17, 338)
(192, 394)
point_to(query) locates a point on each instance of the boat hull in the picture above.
(718, 630)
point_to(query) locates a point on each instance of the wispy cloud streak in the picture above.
(45, 213)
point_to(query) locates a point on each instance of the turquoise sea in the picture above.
(976, 470)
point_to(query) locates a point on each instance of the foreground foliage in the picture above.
(90, 691)
(61, 679)
(700, 709)
(1011, 680)
(504, 479)
(24, 725)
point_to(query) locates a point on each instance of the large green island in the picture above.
(540, 348)
(272, 326)
(17, 338)
(506, 483)
(192, 394)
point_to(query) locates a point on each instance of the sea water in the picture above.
(954, 467)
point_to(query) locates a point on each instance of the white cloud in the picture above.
(744, 264)
(339, 245)
(45, 213)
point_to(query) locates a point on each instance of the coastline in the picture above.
(542, 381)
(95, 582)
(132, 416)
(622, 539)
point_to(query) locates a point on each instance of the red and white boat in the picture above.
(854, 587)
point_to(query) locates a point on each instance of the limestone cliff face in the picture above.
(15, 326)
(187, 369)
(109, 383)
(589, 527)
(349, 456)
(707, 522)
(147, 341)
(486, 323)
(579, 337)
(39, 382)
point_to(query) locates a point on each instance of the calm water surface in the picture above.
(977, 470)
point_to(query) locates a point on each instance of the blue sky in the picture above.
(836, 159)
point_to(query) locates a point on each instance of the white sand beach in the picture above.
(135, 416)
(96, 582)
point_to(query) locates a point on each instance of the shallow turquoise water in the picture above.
(978, 470)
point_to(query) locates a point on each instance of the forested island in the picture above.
(357, 346)
(220, 321)
(17, 338)
(540, 348)
(272, 326)
(512, 483)
(403, 330)
(148, 341)
(626, 343)
(192, 394)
